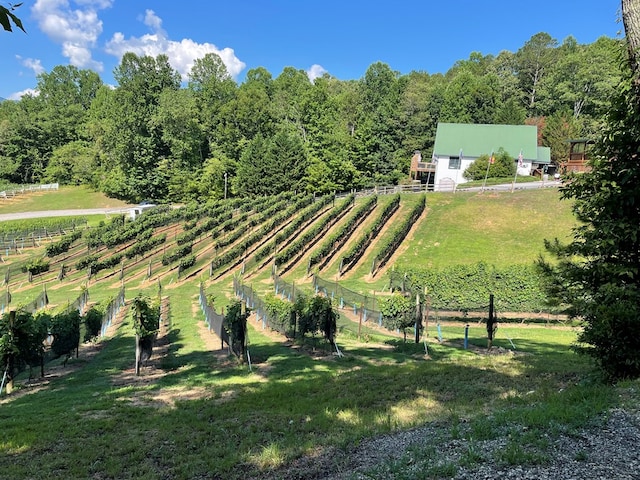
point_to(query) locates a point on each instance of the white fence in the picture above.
(27, 189)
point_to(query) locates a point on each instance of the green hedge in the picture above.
(516, 288)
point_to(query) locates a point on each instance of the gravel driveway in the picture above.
(62, 213)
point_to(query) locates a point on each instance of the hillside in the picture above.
(216, 417)
(499, 229)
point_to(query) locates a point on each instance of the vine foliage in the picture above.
(146, 323)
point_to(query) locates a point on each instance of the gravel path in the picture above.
(609, 450)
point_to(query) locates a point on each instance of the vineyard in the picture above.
(168, 245)
(296, 238)
(229, 278)
(209, 244)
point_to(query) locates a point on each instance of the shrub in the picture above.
(92, 322)
(65, 329)
(503, 167)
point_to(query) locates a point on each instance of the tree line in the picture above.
(155, 136)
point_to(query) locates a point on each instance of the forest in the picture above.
(157, 136)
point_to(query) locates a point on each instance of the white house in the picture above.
(458, 145)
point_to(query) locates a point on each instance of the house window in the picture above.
(454, 163)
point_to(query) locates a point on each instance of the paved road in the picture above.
(62, 213)
(518, 186)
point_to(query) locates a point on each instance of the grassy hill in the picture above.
(499, 229)
(65, 198)
(196, 413)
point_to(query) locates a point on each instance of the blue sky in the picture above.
(339, 37)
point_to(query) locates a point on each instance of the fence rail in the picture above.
(28, 188)
(365, 304)
(286, 290)
(255, 303)
(20, 239)
(386, 190)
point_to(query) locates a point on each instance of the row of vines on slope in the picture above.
(335, 242)
(241, 250)
(391, 246)
(301, 245)
(357, 250)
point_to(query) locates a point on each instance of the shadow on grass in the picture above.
(293, 403)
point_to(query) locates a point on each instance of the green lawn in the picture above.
(67, 197)
(500, 228)
(208, 418)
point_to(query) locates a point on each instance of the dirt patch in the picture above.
(86, 353)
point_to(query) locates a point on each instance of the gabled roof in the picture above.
(481, 139)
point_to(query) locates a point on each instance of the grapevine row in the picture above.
(303, 243)
(387, 250)
(358, 249)
(339, 238)
(234, 253)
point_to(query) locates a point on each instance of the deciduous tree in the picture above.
(597, 275)
(7, 18)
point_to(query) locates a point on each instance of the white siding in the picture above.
(446, 178)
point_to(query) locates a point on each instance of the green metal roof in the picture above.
(481, 139)
(544, 155)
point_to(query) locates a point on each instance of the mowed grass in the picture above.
(201, 414)
(208, 417)
(67, 197)
(500, 228)
(497, 228)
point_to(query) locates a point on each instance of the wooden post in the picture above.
(418, 318)
(490, 323)
(220, 333)
(426, 313)
(11, 359)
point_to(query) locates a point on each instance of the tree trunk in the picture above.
(631, 22)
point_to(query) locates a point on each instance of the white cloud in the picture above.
(153, 21)
(181, 54)
(32, 64)
(28, 91)
(75, 29)
(315, 71)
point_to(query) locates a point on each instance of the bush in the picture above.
(62, 245)
(65, 329)
(503, 167)
(88, 261)
(176, 254)
(398, 313)
(517, 288)
(187, 262)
